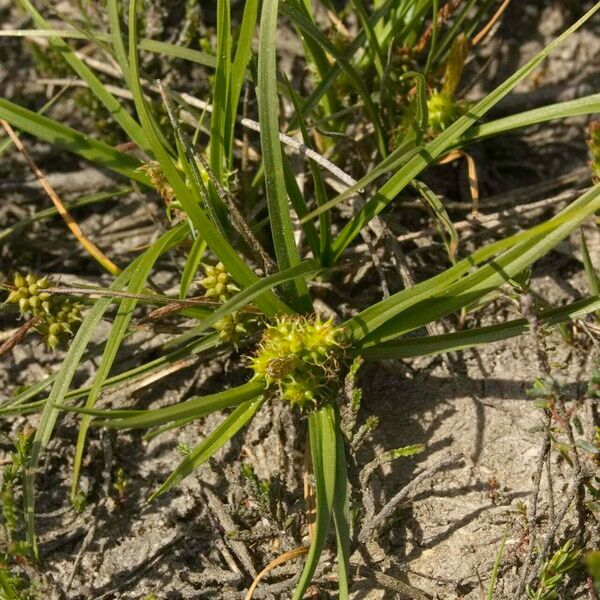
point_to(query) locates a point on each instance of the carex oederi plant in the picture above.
(396, 84)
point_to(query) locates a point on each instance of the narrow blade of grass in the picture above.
(215, 440)
(193, 408)
(581, 106)
(496, 568)
(238, 70)
(191, 265)
(460, 340)
(590, 271)
(440, 213)
(220, 90)
(65, 137)
(341, 514)
(154, 46)
(322, 434)
(268, 108)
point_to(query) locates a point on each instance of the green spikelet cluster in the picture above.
(220, 286)
(442, 111)
(232, 327)
(29, 293)
(301, 356)
(593, 143)
(218, 283)
(59, 316)
(61, 323)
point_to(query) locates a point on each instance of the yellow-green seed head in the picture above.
(58, 317)
(299, 356)
(442, 111)
(59, 322)
(218, 283)
(29, 294)
(232, 327)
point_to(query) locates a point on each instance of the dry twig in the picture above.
(91, 248)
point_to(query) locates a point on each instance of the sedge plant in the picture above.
(394, 83)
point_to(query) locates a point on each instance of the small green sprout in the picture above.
(301, 356)
(553, 572)
(79, 501)
(120, 486)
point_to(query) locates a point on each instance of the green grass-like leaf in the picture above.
(116, 335)
(60, 388)
(323, 440)
(449, 290)
(72, 140)
(215, 440)
(268, 108)
(460, 340)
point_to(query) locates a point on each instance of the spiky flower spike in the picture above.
(60, 317)
(301, 356)
(158, 180)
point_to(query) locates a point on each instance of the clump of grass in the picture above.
(266, 257)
